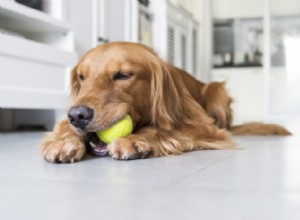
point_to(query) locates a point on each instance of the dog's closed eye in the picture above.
(121, 76)
(81, 77)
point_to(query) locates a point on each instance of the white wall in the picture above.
(223, 9)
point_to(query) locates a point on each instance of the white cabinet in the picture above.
(177, 48)
(176, 35)
(36, 56)
(229, 9)
(84, 24)
(118, 20)
(193, 66)
(124, 20)
(102, 21)
(246, 87)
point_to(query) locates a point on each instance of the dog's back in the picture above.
(216, 101)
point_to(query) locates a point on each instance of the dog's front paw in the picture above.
(63, 151)
(128, 149)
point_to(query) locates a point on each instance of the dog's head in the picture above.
(116, 79)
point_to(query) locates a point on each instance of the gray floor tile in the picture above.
(260, 180)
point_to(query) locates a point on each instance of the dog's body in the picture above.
(172, 112)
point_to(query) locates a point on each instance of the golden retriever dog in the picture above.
(171, 111)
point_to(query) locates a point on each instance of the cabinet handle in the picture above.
(103, 40)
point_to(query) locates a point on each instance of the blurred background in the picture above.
(253, 45)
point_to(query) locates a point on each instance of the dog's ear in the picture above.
(166, 105)
(75, 85)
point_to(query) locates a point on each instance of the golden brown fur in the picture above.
(258, 128)
(172, 112)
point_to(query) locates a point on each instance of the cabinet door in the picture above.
(117, 20)
(113, 22)
(193, 50)
(83, 23)
(183, 56)
(246, 87)
(33, 75)
(177, 48)
(171, 50)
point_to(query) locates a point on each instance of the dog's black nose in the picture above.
(80, 116)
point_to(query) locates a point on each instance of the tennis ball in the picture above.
(121, 129)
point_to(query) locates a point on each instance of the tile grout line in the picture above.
(198, 171)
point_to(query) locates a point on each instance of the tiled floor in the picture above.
(259, 181)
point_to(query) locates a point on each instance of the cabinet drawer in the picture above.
(33, 75)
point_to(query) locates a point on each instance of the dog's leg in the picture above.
(217, 103)
(150, 141)
(63, 144)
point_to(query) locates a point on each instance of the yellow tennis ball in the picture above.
(121, 129)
